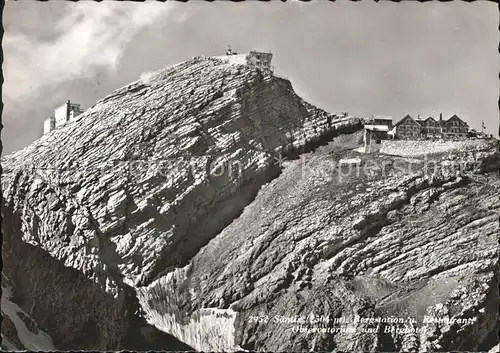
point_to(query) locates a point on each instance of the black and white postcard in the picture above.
(280, 176)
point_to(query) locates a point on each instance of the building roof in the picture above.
(455, 116)
(384, 128)
(404, 118)
(382, 117)
(424, 120)
(259, 52)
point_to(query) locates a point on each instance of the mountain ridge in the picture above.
(178, 204)
(133, 180)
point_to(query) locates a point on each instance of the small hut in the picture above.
(374, 134)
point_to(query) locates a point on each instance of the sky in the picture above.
(359, 57)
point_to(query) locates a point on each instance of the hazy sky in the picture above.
(364, 58)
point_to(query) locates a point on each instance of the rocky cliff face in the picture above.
(351, 246)
(177, 205)
(137, 185)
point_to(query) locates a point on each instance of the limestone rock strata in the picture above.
(153, 195)
(148, 175)
(387, 239)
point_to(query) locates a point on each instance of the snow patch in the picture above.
(147, 77)
(31, 341)
(239, 59)
(209, 329)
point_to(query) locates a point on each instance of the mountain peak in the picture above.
(142, 166)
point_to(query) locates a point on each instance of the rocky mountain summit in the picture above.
(141, 181)
(381, 238)
(209, 202)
